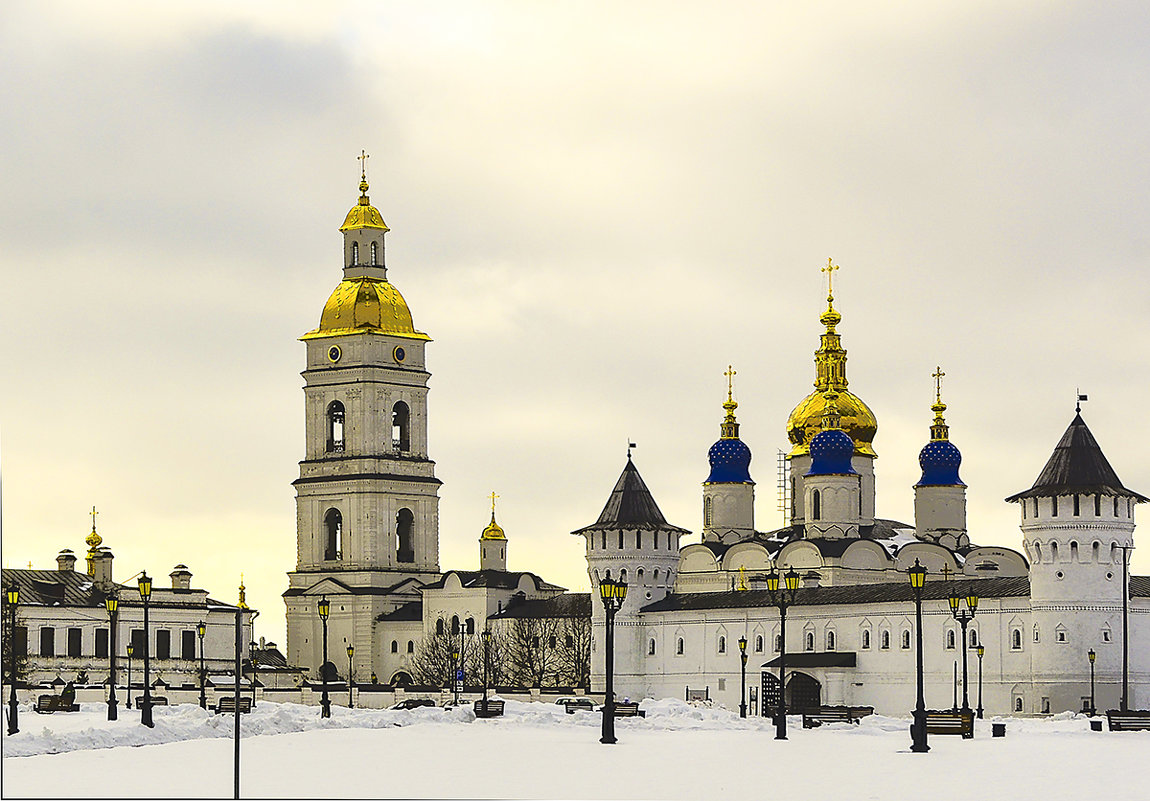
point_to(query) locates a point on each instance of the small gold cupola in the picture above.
(493, 543)
(729, 428)
(939, 431)
(93, 542)
(363, 214)
(243, 601)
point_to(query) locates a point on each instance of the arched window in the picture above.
(411, 645)
(455, 625)
(335, 415)
(1096, 550)
(1036, 635)
(639, 575)
(950, 639)
(656, 576)
(651, 647)
(722, 644)
(778, 643)
(884, 641)
(758, 643)
(1053, 551)
(471, 626)
(404, 536)
(906, 639)
(1037, 552)
(1016, 639)
(354, 253)
(830, 640)
(679, 646)
(973, 638)
(809, 641)
(395, 646)
(816, 505)
(866, 639)
(439, 626)
(400, 427)
(1017, 704)
(623, 575)
(374, 254)
(1114, 552)
(333, 539)
(1074, 548)
(708, 512)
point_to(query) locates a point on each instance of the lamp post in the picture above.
(613, 593)
(201, 630)
(13, 597)
(1124, 703)
(980, 651)
(917, 575)
(324, 702)
(112, 604)
(145, 585)
(350, 683)
(782, 599)
(743, 683)
(1091, 656)
(253, 659)
(131, 649)
(486, 662)
(455, 673)
(964, 616)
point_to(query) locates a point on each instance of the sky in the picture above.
(594, 209)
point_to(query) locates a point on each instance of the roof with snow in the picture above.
(631, 506)
(492, 579)
(1077, 466)
(71, 588)
(569, 604)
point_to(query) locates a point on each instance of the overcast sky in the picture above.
(594, 208)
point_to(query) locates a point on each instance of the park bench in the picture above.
(488, 709)
(47, 704)
(813, 718)
(578, 703)
(698, 695)
(623, 709)
(1130, 720)
(946, 722)
(157, 700)
(227, 703)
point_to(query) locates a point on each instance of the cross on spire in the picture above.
(830, 270)
(730, 374)
(362, 159)
(94, 513)
(945, 572)
(937, 375)
(493, 496)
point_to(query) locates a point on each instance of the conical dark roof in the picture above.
(631, 506)
(1077, 466)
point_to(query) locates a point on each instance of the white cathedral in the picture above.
(368, 540)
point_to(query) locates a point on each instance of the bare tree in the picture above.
(432, 663)
(533, 651)
(575, 655)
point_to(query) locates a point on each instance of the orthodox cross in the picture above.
(830, 270)
(730, 374)
(362, 159)
(94, 513)
(937, 375)
(945, 572)
(493, 497)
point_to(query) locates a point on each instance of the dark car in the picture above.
(413, 703)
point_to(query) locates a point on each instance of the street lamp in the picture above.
(13, 597)
(252, 647)
(964, 616)
(486, 659)
(112, 604)
(782, 599)
(145, 585)
(1091, 656)
(917, 575)
(980, 651)
(455, 672)
(350, 684)
(325, 702)
(201, 630)
(131, 649)
(613, 594)
(743, 685)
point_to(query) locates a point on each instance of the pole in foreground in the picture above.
(325, 702)
(917, 575)
(612, 593)
(12, 595)
(112, 603)
(145, 586)
(236, 691)
(743, 684)
(782, 599)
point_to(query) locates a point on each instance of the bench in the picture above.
(945, 722)
(157, 700)
(578, 703)
(624, 709)
(813, 718)
(698, 695)
(47, 704)
(1130, 720)
(227, 703)
(488, 709)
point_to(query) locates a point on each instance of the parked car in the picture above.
(412, 703)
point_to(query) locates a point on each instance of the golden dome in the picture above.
(855, 418)
(365, 306)
(363, 214)
(493, 531)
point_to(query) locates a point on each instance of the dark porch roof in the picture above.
(807, 659)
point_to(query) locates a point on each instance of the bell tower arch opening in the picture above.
(401, 427)
(404, 536)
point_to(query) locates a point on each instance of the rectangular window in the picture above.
(138, 643)
(1075, 505)
(47, 642)
(188, 645)
(102, 643)
(163, 644)
(1054, 506)
(74, 642)
(21, 641)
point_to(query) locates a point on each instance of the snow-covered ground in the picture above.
(538, 751)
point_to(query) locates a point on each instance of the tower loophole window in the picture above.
(404, 536)
(374, 254)
(401, 427)
(333, 531)
(335, 415)
(816, 505)
(354, 253)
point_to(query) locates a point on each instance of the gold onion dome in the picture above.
(493, 531)
(363, 214)
(855, 417)
(366, 306)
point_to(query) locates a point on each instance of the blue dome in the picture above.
(939, 461)
(831, 453)
(730, 462)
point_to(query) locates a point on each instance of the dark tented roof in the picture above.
(409, 611)
(569, 604)
(631, 507)
(1077, 466)
(997, 587)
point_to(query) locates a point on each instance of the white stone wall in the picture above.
(940, 514)
(728, 512)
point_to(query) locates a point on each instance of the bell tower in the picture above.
(367, 499)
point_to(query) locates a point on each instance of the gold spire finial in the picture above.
(938, 429)
(93, 540)
(363, 185)
(493, 498)
(493, 531)
(830, 318)
(729, 428)
(243, 602)
(830, 271)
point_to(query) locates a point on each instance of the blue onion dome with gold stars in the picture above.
(730, 457)
(939, 458)
(832, 448)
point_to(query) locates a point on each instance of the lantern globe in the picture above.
(743, 644)
(792, 580)
(972, 601)
(773, 581)
(621, 591)
(980, 650)
(1091, 655)
(324, 607)
(111, 603)
(917, 575)
(953, 601)
(145, 585)
(131, 650)
(201, 628)
(13, 594)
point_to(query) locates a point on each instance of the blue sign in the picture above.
(459, 675)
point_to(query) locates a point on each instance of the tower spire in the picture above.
(830, 358)
(243, 602)
(939, 431)
(729, 429)
(93, 541)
